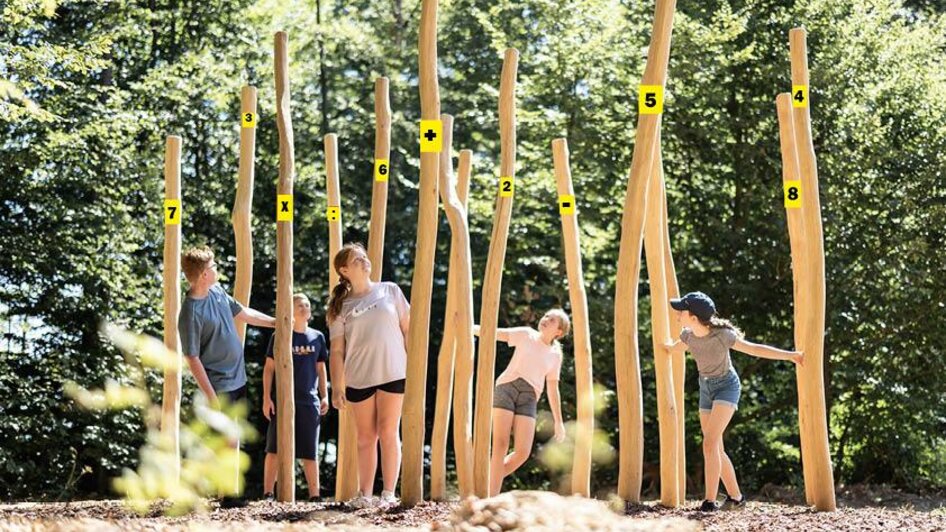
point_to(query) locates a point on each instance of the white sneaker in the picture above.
(362, 501)
(388, 499)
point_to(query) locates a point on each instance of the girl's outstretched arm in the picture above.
(675, 347)
(765, 351)
(555, 401)
(502, 334)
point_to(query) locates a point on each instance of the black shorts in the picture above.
(234, 396)
(308, 421)
(357, 395)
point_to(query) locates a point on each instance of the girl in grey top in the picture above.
(368, 324)
(709, 339)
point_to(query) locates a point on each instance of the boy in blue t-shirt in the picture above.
(309, 354)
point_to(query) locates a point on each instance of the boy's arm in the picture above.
(269, 371)
(765, 351)
(256, 318)
(323, 389)
(200, 375)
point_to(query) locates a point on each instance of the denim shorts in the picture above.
(724, 389)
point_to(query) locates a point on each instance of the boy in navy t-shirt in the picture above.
(309, 354)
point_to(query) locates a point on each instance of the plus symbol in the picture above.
(430, 135)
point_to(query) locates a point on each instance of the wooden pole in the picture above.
(581, 466)
(678, 361)
(346, 476)
(382, 171)
(282, 349)
(446, 357)
(242, 206)
(813, 345)
(627, 358)
(660, 313)
(791, 177)
(492, 283)
(462, 275)
(171, 400)
(412, 484)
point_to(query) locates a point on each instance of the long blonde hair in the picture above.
(343, 288)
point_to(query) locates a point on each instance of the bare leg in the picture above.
(728, 473)
(311, 470)
(366, 425)
(502, 426)
(389, 425)
(713, 428)
(523, 435)
(269, 473)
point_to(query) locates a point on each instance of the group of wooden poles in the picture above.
(644, 223)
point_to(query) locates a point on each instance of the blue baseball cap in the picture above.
(698, 303)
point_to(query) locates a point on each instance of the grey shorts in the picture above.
(517, 396)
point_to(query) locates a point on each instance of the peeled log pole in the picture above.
(796, 236)
(678, 361)
(445, 359)
(627, 359)
(461, 274)
(242, 206)
(581, 466)
(659, 313)
(818, 455)
(492, 284)
(171, 400)
(282, 347)
(379, 191)
(412, 485)
(346, 480)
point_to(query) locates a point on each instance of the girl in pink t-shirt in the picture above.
(536, 360)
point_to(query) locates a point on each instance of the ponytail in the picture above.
(715, 322)
(343, 288)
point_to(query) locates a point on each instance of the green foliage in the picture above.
(88, 92)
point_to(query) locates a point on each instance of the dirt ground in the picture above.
(860, 508)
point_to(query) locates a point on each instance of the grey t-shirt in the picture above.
(208, 332)
(374, 344)
(711, 352)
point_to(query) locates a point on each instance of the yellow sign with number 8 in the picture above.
(793, 194)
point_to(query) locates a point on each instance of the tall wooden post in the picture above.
(462, 274)
(242, 206)
(818, 455)
(171, 400)
(445, 359)
(627, 359)
(492, 283)
(791, 177)
(667, 407)
(412, 483)
(581, 466)
(282, 348)
(346, 476)
(382, 172)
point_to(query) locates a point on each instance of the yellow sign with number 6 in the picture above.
(381, 169)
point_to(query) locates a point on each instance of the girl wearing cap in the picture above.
(368, 324)
(536, 361)
(709, 338)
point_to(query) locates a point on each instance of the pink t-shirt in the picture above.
(533, 360)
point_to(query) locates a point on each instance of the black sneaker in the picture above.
(734, 504)
(709, 506)
(315, 498)
(269, 497)
(233, 502)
